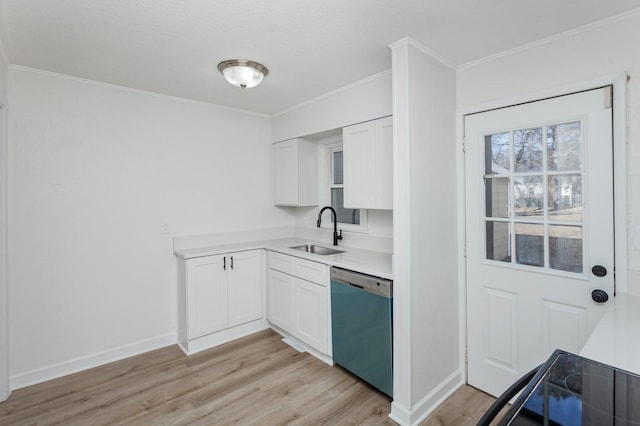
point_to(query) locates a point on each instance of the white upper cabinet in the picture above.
(368, 165)
(296, 173)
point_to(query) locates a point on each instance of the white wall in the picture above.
(378, 237)
(610, 48)
(426, 342)
(5, 388)
(364, 100)
(94, 170)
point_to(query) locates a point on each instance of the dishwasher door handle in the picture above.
(357, 286)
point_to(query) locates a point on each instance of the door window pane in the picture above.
(530, 244)
(527, 150)
(564, 146)
(351, 216)
(565, 198)
(498, 241)
(565, 248)
(497, 153)
(535, 175)
(528, 193)
(497, 196)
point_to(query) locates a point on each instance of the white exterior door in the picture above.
(539, 223)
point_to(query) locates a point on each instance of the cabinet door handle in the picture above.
(231, 262)
(224, 263)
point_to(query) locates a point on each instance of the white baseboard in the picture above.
(424, 407)
(191, 347)
(5, 392)
(90, 361)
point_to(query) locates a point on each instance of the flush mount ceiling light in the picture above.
(243, 73)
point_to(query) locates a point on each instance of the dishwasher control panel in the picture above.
(377, 285)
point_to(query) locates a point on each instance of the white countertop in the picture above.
(365, 261)
(616, 339)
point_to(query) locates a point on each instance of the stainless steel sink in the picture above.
(322, 251)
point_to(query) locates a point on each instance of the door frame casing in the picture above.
(5, 382)
(620, 140)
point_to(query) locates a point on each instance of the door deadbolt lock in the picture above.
(599, 296)
(599, 271)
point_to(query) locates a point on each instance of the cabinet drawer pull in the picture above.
(224, 263)
(231, 262)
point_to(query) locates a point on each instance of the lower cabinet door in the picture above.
(311, 314)
(244, 286)
(206, 296)
(280, 300)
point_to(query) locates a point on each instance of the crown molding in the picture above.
(550, 39)
(333, 92)
(424, 49)
(132, 90)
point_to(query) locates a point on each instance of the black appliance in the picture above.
(571, 390)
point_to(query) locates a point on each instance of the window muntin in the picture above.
(348, 219)
(534, 197)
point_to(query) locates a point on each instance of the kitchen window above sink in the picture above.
(348, 219)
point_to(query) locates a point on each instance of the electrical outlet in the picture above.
(164, 228)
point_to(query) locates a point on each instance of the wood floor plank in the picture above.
(203, 380)
(464, 408)
(257, 380)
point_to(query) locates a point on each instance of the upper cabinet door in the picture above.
(295, 173)
(384, 163)
(368, 165)
(359, 159)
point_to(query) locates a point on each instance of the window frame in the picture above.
(329, 150)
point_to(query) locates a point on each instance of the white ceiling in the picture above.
(310, 46)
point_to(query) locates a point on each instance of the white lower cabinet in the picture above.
(280, 299)
(207, 307)
(310, 322)
(244, 287)
(222, 291)
(297, 299)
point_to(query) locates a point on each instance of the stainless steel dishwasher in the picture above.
(362, 329)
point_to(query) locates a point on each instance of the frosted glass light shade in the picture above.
(243, 73)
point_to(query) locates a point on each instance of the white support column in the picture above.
(5, 387)
(426, 325)
(401, 407)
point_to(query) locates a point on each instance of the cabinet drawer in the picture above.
(302, 268)
(281, 262)
(310, 271)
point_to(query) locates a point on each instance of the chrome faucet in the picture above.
(336, 237)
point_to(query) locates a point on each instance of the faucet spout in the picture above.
(336, 236)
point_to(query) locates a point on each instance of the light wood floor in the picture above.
(257, 380)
